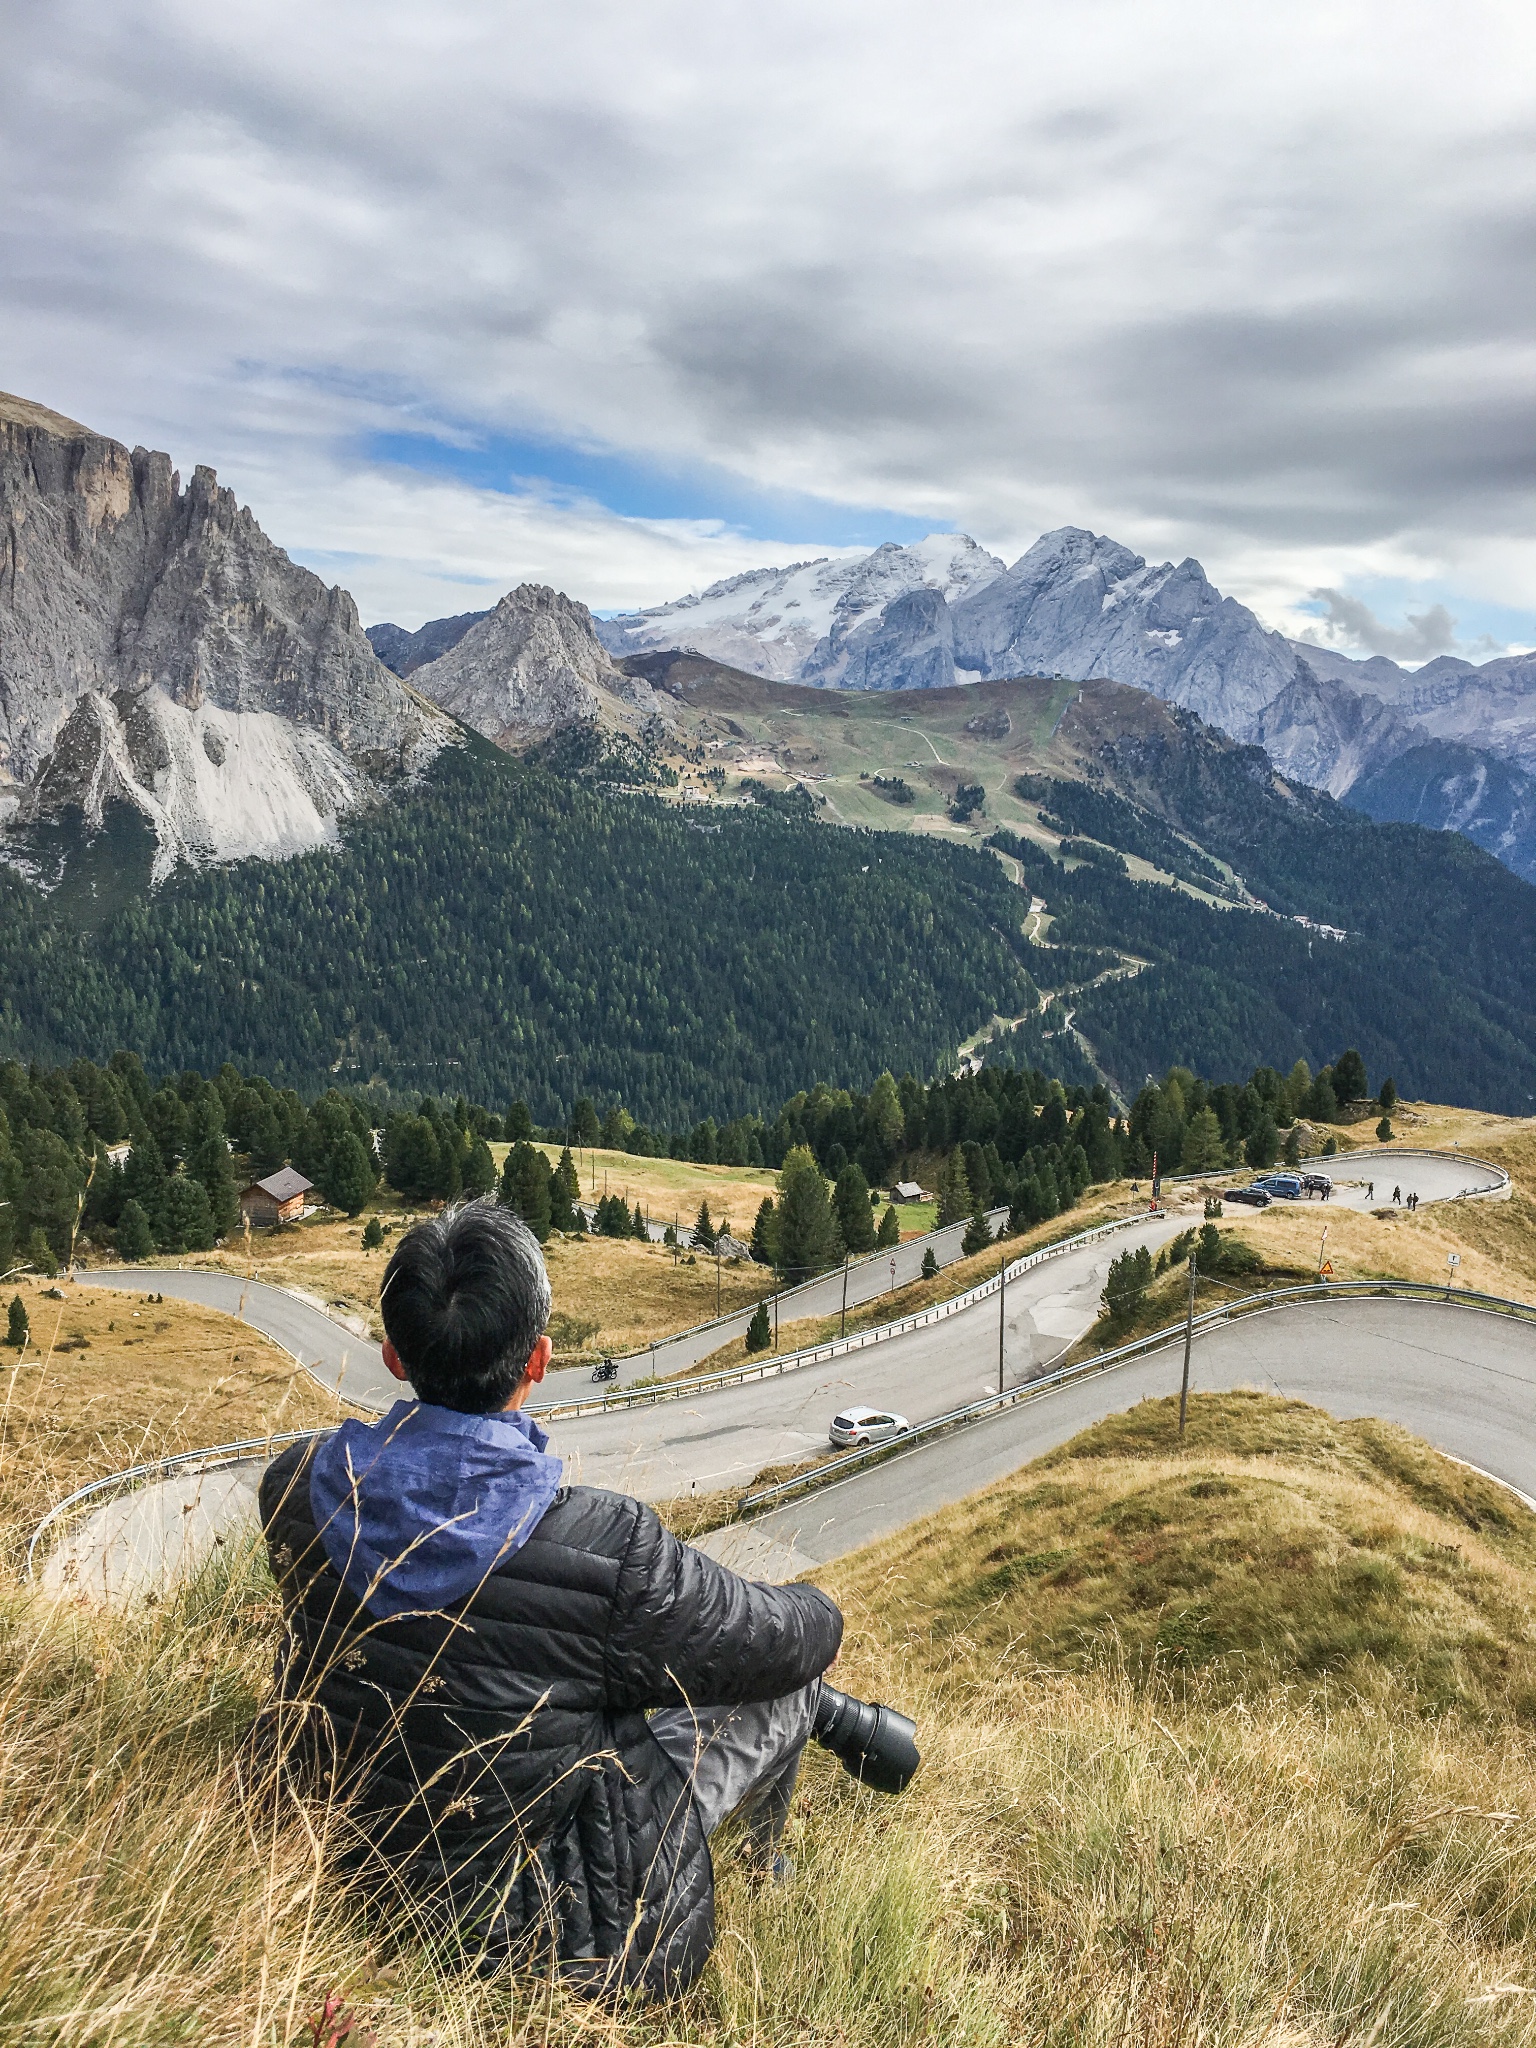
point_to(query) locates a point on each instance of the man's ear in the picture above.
(392, 1360)
(538, 1359)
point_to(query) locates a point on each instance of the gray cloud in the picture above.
(1349, 624)
(1251, 284)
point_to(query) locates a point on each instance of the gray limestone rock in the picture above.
(531, 667)
(156, 647)
(1079, 605)
(404, 652)
(1329, 735)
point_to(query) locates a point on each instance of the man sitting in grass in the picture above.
(533, 1704)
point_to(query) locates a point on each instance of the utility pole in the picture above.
(775, 1319)
(1189, 1341)
(717, 1286)
(1002, 1316)
(843, 1329)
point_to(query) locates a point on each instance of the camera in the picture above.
(874, 1744)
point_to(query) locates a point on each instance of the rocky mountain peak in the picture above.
(156, 648)
(531, 666)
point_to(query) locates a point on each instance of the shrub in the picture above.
(978, 1235)
(930, 1264)
(1129, 1278)
(760, 1329)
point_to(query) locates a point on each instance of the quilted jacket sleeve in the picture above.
(687, 1630)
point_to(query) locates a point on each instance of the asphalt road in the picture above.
(724, 1438)
(1462, 1378)
(354, 1365)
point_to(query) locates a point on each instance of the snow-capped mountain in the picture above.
(1080, 605)
(823, 621)
(156, 648)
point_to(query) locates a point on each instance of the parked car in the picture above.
(1317, 1183)
(855, 1427)
(1283, 1187)
(1256, 1198)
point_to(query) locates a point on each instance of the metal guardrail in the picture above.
(681, 1389)
(790, 1294)
(836, 1469)
(212, 1459)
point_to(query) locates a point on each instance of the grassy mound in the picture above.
(1226, 1746)
(1280, 1547)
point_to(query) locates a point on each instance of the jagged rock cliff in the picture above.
(531, 667)
(1328, 735)
(157, 648)
(404, 651)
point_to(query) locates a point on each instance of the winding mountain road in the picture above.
(1354, 1359)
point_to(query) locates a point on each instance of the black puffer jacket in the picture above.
(497, 1756)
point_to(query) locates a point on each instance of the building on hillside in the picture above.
(907, 1191)
(277, 1199)
(118, 1154)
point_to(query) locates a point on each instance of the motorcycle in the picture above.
(605, 1370)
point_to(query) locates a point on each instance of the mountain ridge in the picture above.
(157, 648)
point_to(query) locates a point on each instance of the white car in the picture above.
(855, 1427)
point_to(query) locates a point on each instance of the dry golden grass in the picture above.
(635, 1292)
(669, 1189)
(1227, 1747)
(109, 1379)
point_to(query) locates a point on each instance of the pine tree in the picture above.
(978, 1235)
(808, 1235)
(211, 1164)
(760, 1329)
(525, 1187)
(347, 1179)
(188, 1225)
(135, 1239)
(517, 1124)
(955, 1200)
(637, 1225)
(889, 1233)
(568, 1177)
(1292, 1152)
(373, 1234)
(39, 1255)
(479, 1175)
(1129, 1278)
(1349, 1081)
(765, 1233)
(850, 1199)
(17, 1329)
(1203, 1150)
(930, 1264)
(144, 1182)
(704, 1232)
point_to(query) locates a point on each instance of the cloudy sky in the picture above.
(626, 298)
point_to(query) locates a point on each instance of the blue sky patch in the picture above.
(634, 489)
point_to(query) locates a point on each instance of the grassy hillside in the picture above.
(1233, 1745)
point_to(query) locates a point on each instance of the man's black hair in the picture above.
(465, 1299)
